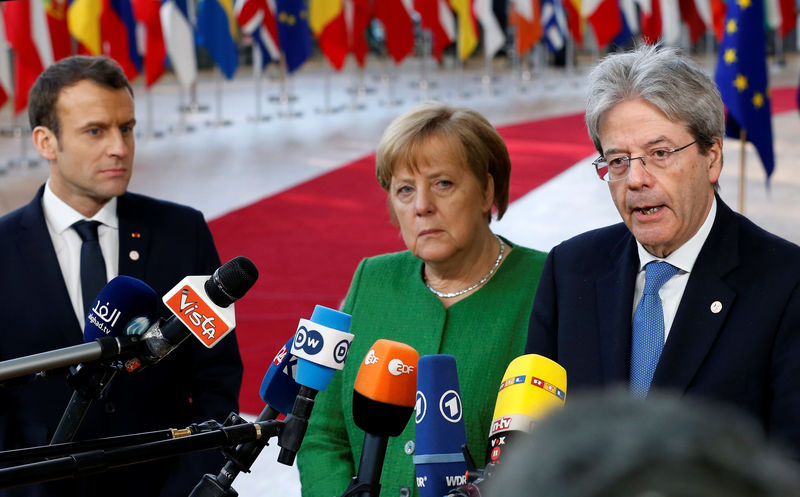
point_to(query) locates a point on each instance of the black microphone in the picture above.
(383, 399)
(201, 306)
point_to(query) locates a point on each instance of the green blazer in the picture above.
(388, 299)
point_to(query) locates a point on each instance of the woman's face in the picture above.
(442, 208)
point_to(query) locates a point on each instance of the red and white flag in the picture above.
(29, 37)
(604, 16)
(493, 37)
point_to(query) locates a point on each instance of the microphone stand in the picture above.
(367, 482)
(99, 460)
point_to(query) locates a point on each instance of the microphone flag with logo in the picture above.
(125, 306)
(279, 388)
(532, 385)
(440, 433)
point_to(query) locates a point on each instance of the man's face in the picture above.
(662, 208)
(91, 162)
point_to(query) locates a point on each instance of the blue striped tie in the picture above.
(648, 328)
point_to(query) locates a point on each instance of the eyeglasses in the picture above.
(616, 167)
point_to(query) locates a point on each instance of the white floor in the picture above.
(220, 168)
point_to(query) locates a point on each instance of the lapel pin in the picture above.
(134, 255)
(716, 306)
(136, 234)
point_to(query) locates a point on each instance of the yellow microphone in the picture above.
(532, 386)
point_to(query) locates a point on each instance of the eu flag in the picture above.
(294, 32)
(742, 77)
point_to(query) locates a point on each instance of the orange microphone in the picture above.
(383, 400)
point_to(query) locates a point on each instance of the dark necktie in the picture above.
(93, 266)
(648, 327)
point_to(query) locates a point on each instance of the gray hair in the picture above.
(667, 79)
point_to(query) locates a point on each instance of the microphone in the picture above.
(440, 432)
(320, 345)
(532, 386)
(200, 306)
(124, 306)
(278, 390)
(383, 399)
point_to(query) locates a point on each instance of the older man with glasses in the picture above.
(684, 295)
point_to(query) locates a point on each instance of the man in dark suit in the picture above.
(685, 295)
(82, 116)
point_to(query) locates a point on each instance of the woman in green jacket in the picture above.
(459, 289)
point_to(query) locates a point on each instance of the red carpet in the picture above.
(307, 241)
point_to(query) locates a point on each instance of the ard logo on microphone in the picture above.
(198, 316)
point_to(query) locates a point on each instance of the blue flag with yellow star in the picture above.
(294, 33)
(742, 77)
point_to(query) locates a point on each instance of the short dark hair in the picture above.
(67, 72)
(608, 444)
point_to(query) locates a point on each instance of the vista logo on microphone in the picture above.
(396, 367)
(197, 315)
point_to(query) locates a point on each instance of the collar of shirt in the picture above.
(61, 216)
(684, 256)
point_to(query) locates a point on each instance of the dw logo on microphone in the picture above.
(310, 341)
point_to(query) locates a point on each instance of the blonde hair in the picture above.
(473, 140)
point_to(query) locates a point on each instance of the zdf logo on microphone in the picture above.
(371, 358)
(396, 367)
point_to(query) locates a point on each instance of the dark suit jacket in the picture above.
(748, 354)
(192, 384)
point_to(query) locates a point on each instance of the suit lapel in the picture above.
(134, 238)
(34, 245)
(704, 306)
(614, 319)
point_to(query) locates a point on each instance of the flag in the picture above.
(118, 35)
(670, 21)
(155, 54)
(605, 18)
(651, 21)
(703, 9)
(6, 82)
(627, 15)
(742, 77)
(59, 32)
(178, 37)
(326, 19)
(525, 16)
(293, 32)
(692, 18)
(718, 8)
(572, 9)
(467, 28)
(781, 16)
(554, 24)
(216, 30)
(256, 20)
(493, 37)
(437, 17)
(83, 21)
(29, 61)
(358, 15)
(397, 26)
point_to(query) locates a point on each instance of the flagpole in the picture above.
(286, 98)
(742, 157)
(182, 126)
(219, 121)
(19, 134)
(327, 108)
(258, 71)
(150, 131)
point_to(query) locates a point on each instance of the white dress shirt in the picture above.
(683, 258)
(59, 218)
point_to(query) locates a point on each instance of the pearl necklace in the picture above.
(449, 295)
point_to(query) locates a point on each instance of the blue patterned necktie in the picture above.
(93, 266)
(648, 328)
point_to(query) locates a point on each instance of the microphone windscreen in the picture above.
(321, 345)
(279, 389)
(384, 391)
(532, 386)
(440, 433)
(125, 306)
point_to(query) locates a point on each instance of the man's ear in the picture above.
(45, 142)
